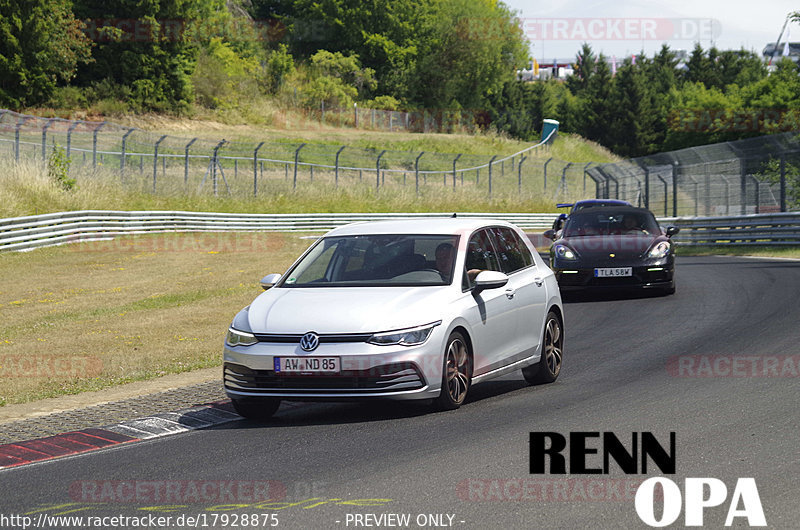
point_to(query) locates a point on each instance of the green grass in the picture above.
(766, 251)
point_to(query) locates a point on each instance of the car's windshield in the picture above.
(610, 222)
(376, 260)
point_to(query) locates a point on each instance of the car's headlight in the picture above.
(659, 251)
(564, 252)
(404, 337)
(240, 338)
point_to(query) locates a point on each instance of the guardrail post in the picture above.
(122, 154)
(44, 140)
(255, 169)
(545, 172)
(522, 159)
(674, 189)
(186, 161)
(490, 175)
(94, 143)
(783, 182)
(416, 172)
(155, 160)
(378, 170)
(296, 159)
(454, 170)
(339, 152)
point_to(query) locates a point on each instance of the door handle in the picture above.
(538, 282)
(510, 293)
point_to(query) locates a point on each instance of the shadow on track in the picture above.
(306, 413)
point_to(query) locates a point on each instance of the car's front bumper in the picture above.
(643, 277)
(367, 371)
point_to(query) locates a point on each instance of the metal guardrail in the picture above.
(22, 233)
(758, 229)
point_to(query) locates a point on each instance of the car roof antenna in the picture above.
(454, 215)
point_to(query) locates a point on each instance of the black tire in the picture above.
(256, 409)
(456, 373)
(549, 365)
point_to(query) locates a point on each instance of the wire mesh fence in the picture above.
(755, 175)
(166, 164)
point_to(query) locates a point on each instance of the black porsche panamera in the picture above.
(613, 247)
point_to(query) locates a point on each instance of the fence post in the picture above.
(416, 171)
(545, 172)
(322, 118)
(522, 159)
(564, 180)
(758, 193)
(255, 169)
(696, 198)
(647, 190)
(186, 161)
(122, 157)
(666, 192)
(155, 159)
(44, 140)
(585, 170)
(707, 201)
(490, 175)
(296, 159)
(454, 169)
(214, 162)
(378, 170)
(94, 143)
(19, 125)
(355, 110)
(675, 189)
(69, 138)
(727, 194)
(339, 152)
(783, 182)
(743, 188)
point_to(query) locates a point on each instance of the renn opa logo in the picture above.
(584, 457)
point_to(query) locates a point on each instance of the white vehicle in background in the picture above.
(407, 309)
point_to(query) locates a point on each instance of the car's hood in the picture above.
(589, 247)
(346, 309)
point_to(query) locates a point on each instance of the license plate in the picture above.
(613, 272)
(312, 365)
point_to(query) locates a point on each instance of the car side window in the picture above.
(481, 256)
(512, 253)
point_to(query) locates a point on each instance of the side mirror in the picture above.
(550, 234)
(269, 280)
(489, 280)
(672, 230)
(559, 222)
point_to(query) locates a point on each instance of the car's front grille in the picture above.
(385, 378)
(329, 338)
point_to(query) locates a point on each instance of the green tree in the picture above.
(152, 51)
(467, 50)
(41, 44)
(630, 130)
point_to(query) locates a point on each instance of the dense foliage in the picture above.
(439, 55)
(656, 103)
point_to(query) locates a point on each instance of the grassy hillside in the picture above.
(26, 189)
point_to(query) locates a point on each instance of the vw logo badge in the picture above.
(309, 341)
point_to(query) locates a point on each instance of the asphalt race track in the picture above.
(622, 373)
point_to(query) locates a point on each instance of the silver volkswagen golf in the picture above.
(407, 309)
